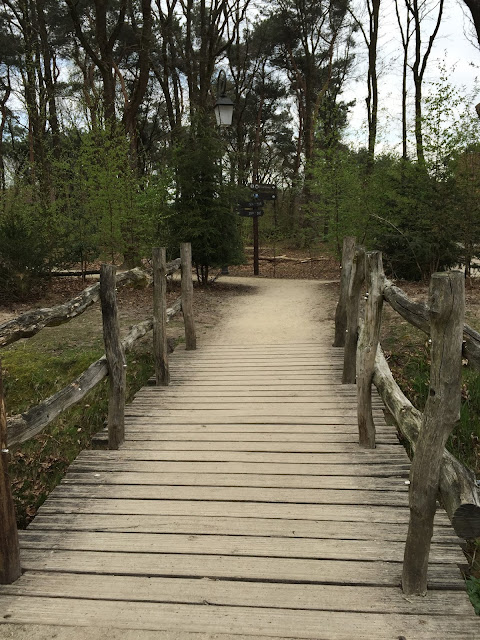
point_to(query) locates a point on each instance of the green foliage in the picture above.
(29, 244)
(411, 219)
(473, 590)
(101, 200)
(338, 206)
(204, 207)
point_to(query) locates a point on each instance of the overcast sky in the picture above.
(452, 45)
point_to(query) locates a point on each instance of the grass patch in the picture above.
(31, 374)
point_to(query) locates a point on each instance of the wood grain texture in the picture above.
(442, 412)
(115, 355)
(357, 277)
(348, 252)
(187, 296)
(251, 621)
(367, 348)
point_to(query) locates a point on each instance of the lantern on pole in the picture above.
(223, 105)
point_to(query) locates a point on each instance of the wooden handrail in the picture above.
(24, 426)
(442, 412)
(416, 313)
(455, 484)
(17, 429)
(31, 322)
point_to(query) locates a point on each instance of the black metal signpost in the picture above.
(253, 208)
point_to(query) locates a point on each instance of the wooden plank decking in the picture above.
(240, 504)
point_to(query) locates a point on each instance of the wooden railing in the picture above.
(17, 429)
(434, 471)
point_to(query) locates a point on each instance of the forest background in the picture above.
(108, 143)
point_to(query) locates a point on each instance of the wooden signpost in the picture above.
(261, 192)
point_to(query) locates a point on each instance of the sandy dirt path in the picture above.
(271, 312)
(277, 311)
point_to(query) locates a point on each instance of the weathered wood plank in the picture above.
(237, 593)
(149, 436)
(236, 480)
(270, 547)
(328, 416)
(363, 513)
(270, 447)
(138, 426)
(231, 525)
(247, 456)
(314, 625)
(381, 469)
(236, 494)
(348, 572)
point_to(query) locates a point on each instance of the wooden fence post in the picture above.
(160, 347)
(115, 357)
(9, 549)
(187, 296)
(353, 307)
(367, 347)
(348, 252)
(442, 411)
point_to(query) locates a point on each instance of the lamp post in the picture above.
(223, 105)
(223, 113)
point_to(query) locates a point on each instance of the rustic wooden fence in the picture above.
(17, 429)
(435, 473)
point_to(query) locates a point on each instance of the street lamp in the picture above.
(223, 106)
(223, 114)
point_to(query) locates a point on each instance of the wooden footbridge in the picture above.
(240, 504)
